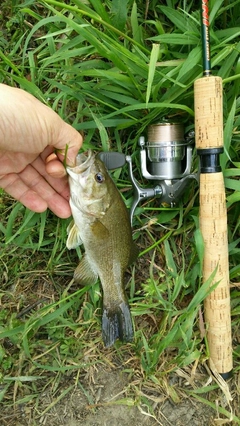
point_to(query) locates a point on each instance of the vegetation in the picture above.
(110, 69)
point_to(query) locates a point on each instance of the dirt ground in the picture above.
(100, 400)
(106, 410)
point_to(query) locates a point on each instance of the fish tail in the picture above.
(117, 324)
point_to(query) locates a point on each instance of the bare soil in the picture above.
(107, 394)
(99, 399)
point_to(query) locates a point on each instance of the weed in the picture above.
(110, 69)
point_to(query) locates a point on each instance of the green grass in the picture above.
(110, 69)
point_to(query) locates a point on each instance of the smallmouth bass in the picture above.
(101, 223)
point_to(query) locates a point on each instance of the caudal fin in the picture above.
(117, 324)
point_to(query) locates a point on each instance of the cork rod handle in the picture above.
(213, 220)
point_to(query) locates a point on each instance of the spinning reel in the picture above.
(165, 159)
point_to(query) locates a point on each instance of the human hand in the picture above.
(33, 140)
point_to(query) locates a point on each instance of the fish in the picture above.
(101, 222)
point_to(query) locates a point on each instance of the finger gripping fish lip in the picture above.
(83, 162)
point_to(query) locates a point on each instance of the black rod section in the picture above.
(205, 38)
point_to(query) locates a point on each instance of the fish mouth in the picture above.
(83, 162)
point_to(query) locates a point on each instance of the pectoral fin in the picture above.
(133, 254)
(99, 230)
(84, 273)
(74, 239)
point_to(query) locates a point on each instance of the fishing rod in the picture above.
(213, 213)
(165, 159)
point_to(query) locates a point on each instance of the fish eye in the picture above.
(99, 178)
